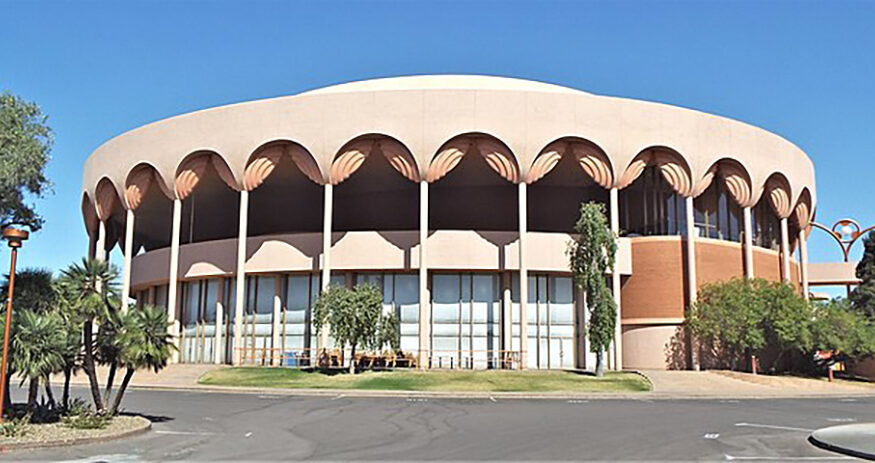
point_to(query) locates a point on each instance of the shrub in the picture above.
(86, 421)
(15, 427)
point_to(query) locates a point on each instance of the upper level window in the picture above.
(717, 215)
(649, 206)
(766, 226)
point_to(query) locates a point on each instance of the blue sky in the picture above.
(805, 70)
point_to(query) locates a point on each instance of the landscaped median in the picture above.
(430, 381)
(30, 436)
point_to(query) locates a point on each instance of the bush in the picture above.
(15, 427)
(76, 407)
(86, 421)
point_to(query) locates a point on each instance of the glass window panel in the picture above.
(266, 291)
(445, 306)
(212, 298)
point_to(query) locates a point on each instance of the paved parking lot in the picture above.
(195, 425)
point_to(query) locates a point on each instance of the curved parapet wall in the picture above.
(423, 113)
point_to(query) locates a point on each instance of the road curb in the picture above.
(142, 427)
(817, 439)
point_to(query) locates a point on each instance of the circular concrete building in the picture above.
(456, 195)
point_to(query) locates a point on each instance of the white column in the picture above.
(218, 348)
(615, 283)
(328, 211)
(524, 278)
(803, 262)
(276, 344)
(692, 293)
(507, 318)
(172, 283)
(785, 251)
(100, 246)
(129, 255)
(239, 294)
(424, 297)
(748, 243)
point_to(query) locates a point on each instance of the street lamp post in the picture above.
(15, 237)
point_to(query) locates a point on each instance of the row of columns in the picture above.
(424, 294)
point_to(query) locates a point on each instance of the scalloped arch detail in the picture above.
(89, 214)
(354, 155)
(670, 164)
(106, 197)
(192, 170)
(496, 155)
(779, 195)
(589, 157)
(737, 183)
(139, 181)
(802, 211)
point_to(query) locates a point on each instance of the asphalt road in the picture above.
(219, 426)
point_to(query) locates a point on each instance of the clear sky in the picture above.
(804, 70)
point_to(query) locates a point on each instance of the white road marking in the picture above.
(184, 433)
(107, 458)
(416, 399)
(712, 435)
(339, 396)
(848, 400)
(492, 399)
(841, 420)
(826, 458)
(578, 401)
(730, 401)
(772, 426)
(248, 434)
(269, 397)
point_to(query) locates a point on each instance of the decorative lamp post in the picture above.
(845, 232)
(15, 237)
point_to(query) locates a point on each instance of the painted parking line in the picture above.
(772, 426)
(184, 433)
(712, 435)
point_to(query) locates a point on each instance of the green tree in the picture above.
(863, 296)
(90, 287)
(728, 318)
(591, 256)
(25, 144)
(840, 328)
(355, 318)
(787, 318)
(145, 344)
(38, 345)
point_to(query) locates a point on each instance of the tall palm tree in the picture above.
(38, 344)
(92, 288)
(144, 343)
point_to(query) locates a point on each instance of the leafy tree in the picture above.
(38, 343)
(25, 143)
(591, 255)
(355, 318)
(145, 343)
(863, 296)
(840, 328)
(728, 315)
(787, 318)
(90, 288)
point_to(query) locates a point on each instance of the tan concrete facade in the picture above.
(541, 148)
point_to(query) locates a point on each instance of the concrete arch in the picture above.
(778, 188)
(671, 164)
(803, 212)
(496, 153)
(89, 214)
(736, 178)
(266, 157)
(354, 153)
(190, 171)
(589, 156)
(107, 199)
(138, 181)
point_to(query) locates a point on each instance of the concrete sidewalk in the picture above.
(666, 385)
(856, 440)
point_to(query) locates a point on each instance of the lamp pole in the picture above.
(15, 237)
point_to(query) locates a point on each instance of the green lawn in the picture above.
(464, 381)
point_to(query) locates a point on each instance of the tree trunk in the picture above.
(599, 363)
(32, 394)
(110, 378)
(65, 397)
(129, 373)
(88, 364)
(352, 360)
(50, 394)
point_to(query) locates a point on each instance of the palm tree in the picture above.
(38, 344)
(73, 333)
(91, 286)
(144, 343)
